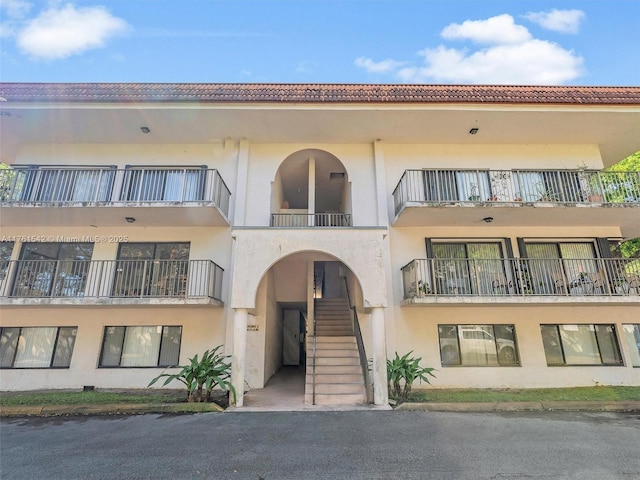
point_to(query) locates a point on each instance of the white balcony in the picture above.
(105, 196)
(550, 198)
(521, 280)
(110, 282)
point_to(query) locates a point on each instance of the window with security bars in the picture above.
(52, 269)
(36, 347)
(151, 270)
(559, 267)
(465, 268)
(141, 346)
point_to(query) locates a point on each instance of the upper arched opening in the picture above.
(311, 181)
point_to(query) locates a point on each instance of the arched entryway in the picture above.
(303, 335)
(293, 283)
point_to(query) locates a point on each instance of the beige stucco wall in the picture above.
(257, 250)
(202, 329)
(417, 330)
(273, 332)
(260, 270)
(265, 159)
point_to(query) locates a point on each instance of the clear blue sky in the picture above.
(585, 42)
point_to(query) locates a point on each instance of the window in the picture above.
(142, 346)
(166, 184)
(451, 185)
(478, 345)
(581, 345)
(468, 268)
(548, 186)
(152, 270)
(36, 347)
(559, 268)
(63, 184)
(52, 269)
(631, 336)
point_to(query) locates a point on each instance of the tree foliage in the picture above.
(630, 248)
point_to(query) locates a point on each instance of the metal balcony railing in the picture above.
(182, 279)
(105, 185)
(468, 277)
(516, 186)
(302, 220)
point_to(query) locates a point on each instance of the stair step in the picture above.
(335, 378)
(337, 399)
(342, 339)
(337, 332)
(337, 345)
(338, 369)
(342, 388)
(329, 351)
(337, 361)
(333, 353)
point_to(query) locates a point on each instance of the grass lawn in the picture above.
(527, 394)
(68, 397)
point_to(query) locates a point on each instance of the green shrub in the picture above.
(202, 375)
(405, 370)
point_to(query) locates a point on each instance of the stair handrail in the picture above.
(313, 354)
(360, 342)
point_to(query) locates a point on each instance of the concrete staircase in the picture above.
(338, 374)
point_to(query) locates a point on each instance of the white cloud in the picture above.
(384, 66)
(61, 32)
(509, 55)
(564, 21)
(535, 62)
(493, 31)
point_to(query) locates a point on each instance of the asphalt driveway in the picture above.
(324, 445)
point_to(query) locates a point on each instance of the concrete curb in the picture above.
(627, 406)
(108, 409)
(142, 408)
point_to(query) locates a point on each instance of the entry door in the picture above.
(291, 338)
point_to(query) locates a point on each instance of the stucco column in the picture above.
(381, 189)
(241, 183)
(311, 200)
(380, 392)
(238, 358)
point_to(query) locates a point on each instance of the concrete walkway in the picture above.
(284, 392)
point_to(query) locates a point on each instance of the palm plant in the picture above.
(202, 375)
(405, 370)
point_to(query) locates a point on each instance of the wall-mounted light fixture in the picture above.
(488, 219)
(130, 219)
(473, 131)
(148, 130)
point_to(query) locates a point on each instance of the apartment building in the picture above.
(323, 227)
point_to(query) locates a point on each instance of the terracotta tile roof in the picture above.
(314, 93)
